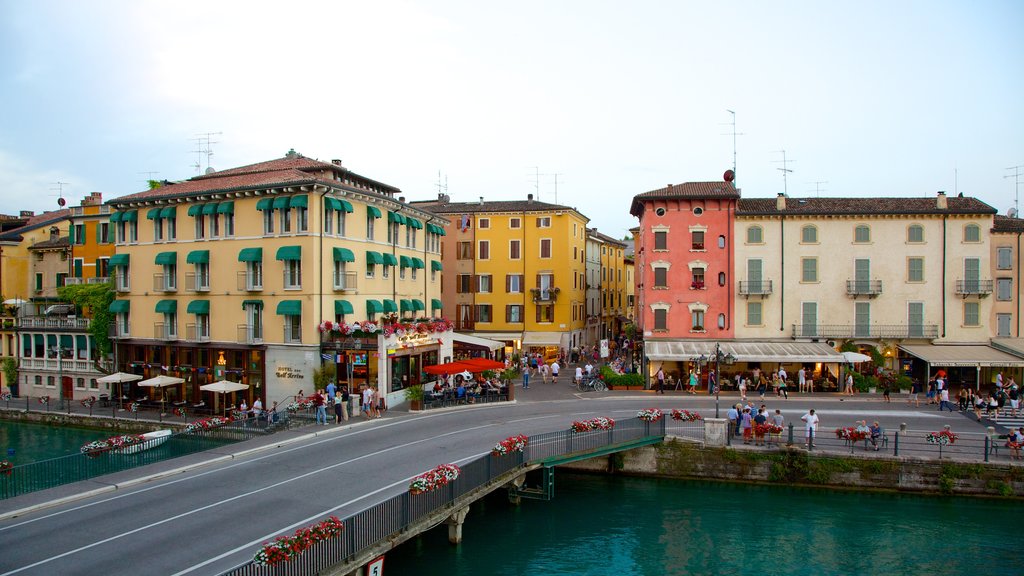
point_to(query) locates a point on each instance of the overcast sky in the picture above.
(618, 98)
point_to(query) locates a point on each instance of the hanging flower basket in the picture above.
(509, 445)
(599, 423)
(206, 424)
(44, 399)
(434, 479)
(685, 415)
(942, 438)
(88, 402)
(286, 548)
(649, 414)
(851, 434)
(6, 468)
(97, 447)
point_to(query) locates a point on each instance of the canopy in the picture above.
(224, 386)
(161, 381)
(855, 357)
(963, 355)
(483, 364)
(449, 368)
(118, 377)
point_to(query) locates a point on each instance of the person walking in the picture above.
(321, 409)
(339, 407)
(545, 372)
(659, 379)
(742, 383)
(801, 379)
(554, 372)
(367, 401)
(526, 379)
(762, 386)
(579, 374)
(782, 387)
(810, 427)
(915, 393)
(692, 383)
(848, 390)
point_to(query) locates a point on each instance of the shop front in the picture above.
(356, 360)
(974, 366)
(407, 355)
(547, 344)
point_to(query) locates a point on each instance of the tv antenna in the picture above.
(203, 146)
(536, 183)
(556, 175)
(149, 175)
(60, 193)
(442, 187)
(734, 134)
(817, 187)
(785, 171)
(1016, 184)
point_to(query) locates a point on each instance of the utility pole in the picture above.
(785, 171)
(1016, 184)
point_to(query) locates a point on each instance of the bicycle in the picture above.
(594, 383)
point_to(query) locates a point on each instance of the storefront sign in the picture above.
(287, 372)
(416, 339)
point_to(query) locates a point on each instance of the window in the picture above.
(329, 212)
(721, 244)
(809, 235)
(660, 319)
(661, 240)
(463, 284)
(809, 319)
(1004, 289)
(809, 270)
(302, 219)
(229, 224)
(862, 234)
(697, 279)
(514, 313)
(341, 222)
(972, 233)
(214, 225)
(292, 329)
(484, 252)
(1004, 258)
(202, 327)
(661, 277)
(268, 221)
(915, 319)
(200, 225)
(697, 240)
(410, 237)
(545, 313)
(103, 236)
(254, 275)
(483, 283)
(514, 283)
(170, 325)
(286, 220)
(121, 228)
(393, 232)
(401, 272)
(370, 222)
(158, 230)
(465, 251)
(915, 269)
(755, 235)
(202, 282)
(172, 228)
(385, 271)
(483, 223)
(721, 278)
(1003, 325)
(292, 274)
(862, 320)
(544, 222)
(721, 321)
(340, 282)
(915, 234)
(514, 223)
(754, 314)
(544, 284)
(971, 313)
(170, 277)
(254, 322)
(697, 320)
(545, 248)
(483, 312)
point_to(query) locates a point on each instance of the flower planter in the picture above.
(872, 390)
(415, 404)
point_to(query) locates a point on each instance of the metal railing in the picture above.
(399, 513)
(755, 287)
(247, 282)
(925, 331)
(165, 283)
(197, 282)
(197, 332)
(975, 287)
(53, 322)
(863, 287)
(250, 334)
(165, 331)
(348, 281)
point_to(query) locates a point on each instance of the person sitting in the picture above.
(1014, 441)
(875, 434)
(460, 391)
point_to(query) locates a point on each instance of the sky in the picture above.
(608, 99)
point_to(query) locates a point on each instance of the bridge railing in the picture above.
(368, 528)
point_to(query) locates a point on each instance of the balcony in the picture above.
(873, 331)
(53, 322)
(197, 333)
(197, 282)
(980, 288)
(250, 334)
(249, 282)
(164, 331)
(869, 288)
(544, 294)
(760, 288)
(52, 364)
(347, 282)
(164, 283)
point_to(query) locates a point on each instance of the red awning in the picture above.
(450, 368)
(481, 364)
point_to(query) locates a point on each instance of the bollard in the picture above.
(810, 439)
(987, 440)
(790, 439)
(896, 444)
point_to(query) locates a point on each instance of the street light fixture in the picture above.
(718, 358)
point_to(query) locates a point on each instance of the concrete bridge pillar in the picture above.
(454, 523)
(716, 431)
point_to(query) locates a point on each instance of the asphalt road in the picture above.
(213, 516)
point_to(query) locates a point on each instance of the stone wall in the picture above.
(120, 425)
(679, 459)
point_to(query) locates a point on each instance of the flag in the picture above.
(326, 356)
(465, 222)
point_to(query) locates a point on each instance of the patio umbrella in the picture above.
(449, 368)
(119, 378)
(224, 386)
(481, 364)
(855, 357)
(15, 302)
(162, 382)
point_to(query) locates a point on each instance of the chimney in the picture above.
(26, 214)
(529, 197)
(780, 201)
(54, 233)
(940, 202)
(481, 200)
(401, 199)
(336, 161)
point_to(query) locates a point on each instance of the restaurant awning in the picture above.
(780, 352)
(962, 355)
(1013, 346)
(477, 341)
(542, 338)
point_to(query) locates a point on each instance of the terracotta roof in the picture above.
(1007, 224)
(488, 206)
(606, 238)
(58, 243)
(856, 206)
(224, 184)
(720, 189)
(37, 221)
(298, 162)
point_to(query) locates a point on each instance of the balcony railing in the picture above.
(755, 287)
(65, 364)
(924, 331)
(164, 283)
(165, 331)
(61, 322)
(197, 282)
(197, 333)
(974, 287)
(249, 283)
(250, 334)
(544, 294)
(348, 281)
(863, 287)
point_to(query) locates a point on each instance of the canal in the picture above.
(613, 525)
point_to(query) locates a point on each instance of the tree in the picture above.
(324, 375)
(96, 299)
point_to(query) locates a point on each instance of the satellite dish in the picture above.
(1012, 213)
(729, 176)
(210, 170)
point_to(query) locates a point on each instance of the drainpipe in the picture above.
(943, 285)
(1017, 284)
(782, 275)
(320, 261)
(426, 260)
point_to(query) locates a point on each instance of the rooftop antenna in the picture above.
(149, 175)
(442, 187)
(556, 175)
(785, 171)
(536, 183)
(734, 134)
(1016, 184)
(817, 187)
(203, 143)
(60, 193)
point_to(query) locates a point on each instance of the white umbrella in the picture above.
(855, 357)
(119, 378)
(224, 386)
(162, 381)
(15, 302)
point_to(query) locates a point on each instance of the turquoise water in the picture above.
(34, 442)
(604, 525)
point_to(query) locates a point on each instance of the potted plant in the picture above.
(414, 394)
(904, 384)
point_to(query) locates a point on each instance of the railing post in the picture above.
(896, 444)
(986, 447)
(790, 442)
(810, 439)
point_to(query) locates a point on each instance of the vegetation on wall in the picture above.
(324, 375)
(9, 367)
(94, 300)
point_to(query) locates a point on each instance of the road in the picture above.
(211, 517)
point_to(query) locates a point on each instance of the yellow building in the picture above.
(515, 272)
(611, 284)
(234, 274)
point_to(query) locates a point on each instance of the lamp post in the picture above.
(60, 374)
(718, 358)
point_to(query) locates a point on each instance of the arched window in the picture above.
(915, 234)
(809, 235)
(862, 234)
(755, 235)
(721, 278)
(721, 320)
(721, 241)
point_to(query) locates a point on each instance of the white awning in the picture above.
(491, 345)
(963, 355)
(1013, 346)
(542, 339)
(781, 352)
(503, 336)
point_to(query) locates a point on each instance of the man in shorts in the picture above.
(367, 401)
(915, 393)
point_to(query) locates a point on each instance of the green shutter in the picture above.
(374, 307)
(343, 307)
(166, 307)
(199, 307)
(250, 255)
(78, 268)
(390, 305)
(435, 304)
(265, 204)
(198, 257)
(289, 307)
(110, 234)
(344, 255)
(435, 265)
(166, 258)
(226, 208)
(289, 253)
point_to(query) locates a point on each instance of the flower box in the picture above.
(434, 479)
(286, 548)
(509, 445)
(649, 414)
(686, 415)
(599, 423)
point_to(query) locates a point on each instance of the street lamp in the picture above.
(719, 357)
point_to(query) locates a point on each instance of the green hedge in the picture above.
(613, 380)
